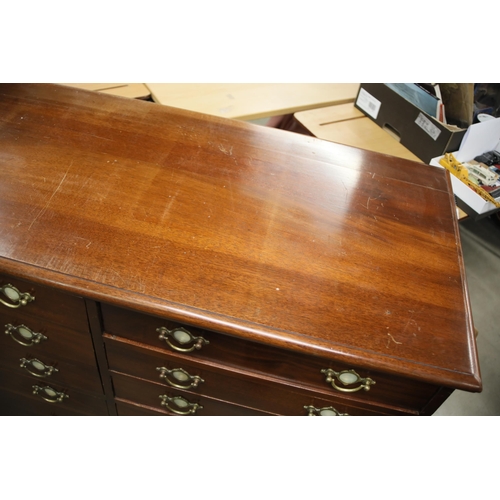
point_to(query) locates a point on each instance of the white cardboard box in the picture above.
(480, 138)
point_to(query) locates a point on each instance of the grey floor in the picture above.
(481, 249)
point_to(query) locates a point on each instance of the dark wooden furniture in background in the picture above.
(165, 262)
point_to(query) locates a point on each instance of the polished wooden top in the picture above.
(251, 101)
(262, 233)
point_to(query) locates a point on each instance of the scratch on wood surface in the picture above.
(117, 274)
(346, 192)
(99, 137)
(42, 211)
(231, 194)
(410, 320)
(225, 151)
(393, 339)
(367, 206)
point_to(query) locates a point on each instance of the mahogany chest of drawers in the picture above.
(155, 261)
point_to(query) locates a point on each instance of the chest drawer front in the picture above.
(266, 360)
(132, 410)
(34, 397)
(15, 404)
(176, 371)
(176, 402)
(50, 369)
(42, 302)
(42, 338)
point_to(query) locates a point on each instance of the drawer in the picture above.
(55, 341)
(289, 366)
(16, 397)
(141, 392)
(242, 388)
(12, 404)
(131, 410)
(43, 303)
(44, 367)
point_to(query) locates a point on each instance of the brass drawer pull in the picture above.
(179, 405)
(327, 411)
(182, 337)
(16, 298)
(24, 335)
(347, 377)
(49, 394)
(37, 368)
(179, 375)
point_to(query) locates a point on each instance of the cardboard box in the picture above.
(422, 134)
(480, 138)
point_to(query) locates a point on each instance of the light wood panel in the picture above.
(132, 90)
(250, 101)
(347, 125)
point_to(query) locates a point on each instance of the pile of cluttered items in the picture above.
(451, 125)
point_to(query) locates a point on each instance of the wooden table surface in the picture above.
(251, 101)
(271, 236)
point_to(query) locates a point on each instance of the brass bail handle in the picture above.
(179, 405)
(49, 394)
(16, 298)
(37, 368)
(327, 411)
(346, 378)
(182, 337)
(24, 335)
(179, 378)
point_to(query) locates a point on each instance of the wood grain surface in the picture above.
(251, 101)
(132, 90)
(264, 234)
